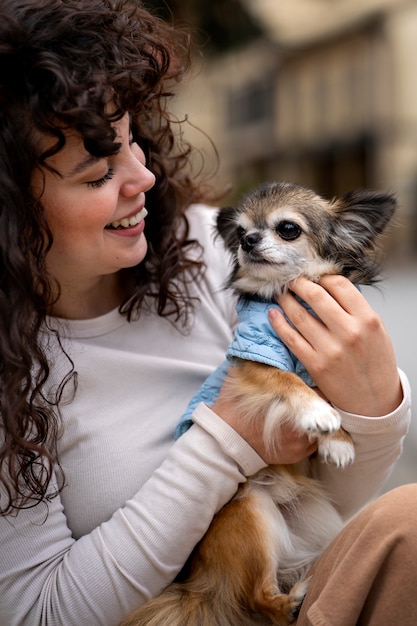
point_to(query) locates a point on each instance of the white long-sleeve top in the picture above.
(134, 502)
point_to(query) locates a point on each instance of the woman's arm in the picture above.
(378, 444)
(348, 353)
(48, 578)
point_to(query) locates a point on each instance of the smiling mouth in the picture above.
(128, 222)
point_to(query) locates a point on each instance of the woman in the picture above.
(111, 317)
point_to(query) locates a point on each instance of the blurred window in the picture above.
(251, 103)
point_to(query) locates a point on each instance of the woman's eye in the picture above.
(288, 231)
(94, 184)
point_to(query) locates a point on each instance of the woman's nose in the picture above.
(138, 178)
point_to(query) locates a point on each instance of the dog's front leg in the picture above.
(285, 399)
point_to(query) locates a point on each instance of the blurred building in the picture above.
(326, 97)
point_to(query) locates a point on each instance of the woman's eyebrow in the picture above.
(82, 165)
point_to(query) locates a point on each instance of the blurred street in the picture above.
(395, 299)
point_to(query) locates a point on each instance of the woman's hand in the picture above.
(290, 446)
(347, 351)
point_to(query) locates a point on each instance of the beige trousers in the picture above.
(368, 575)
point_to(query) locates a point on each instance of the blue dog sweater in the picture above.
(254, 340)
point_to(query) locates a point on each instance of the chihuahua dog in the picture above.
(250, 567)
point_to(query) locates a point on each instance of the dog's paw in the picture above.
(296, 597)
(339, 453)
(319, 417)
(283, 609)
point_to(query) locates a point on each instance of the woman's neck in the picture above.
(89, 301)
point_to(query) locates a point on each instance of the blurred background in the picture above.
(320, 92)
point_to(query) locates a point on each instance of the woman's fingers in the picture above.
(347, 351)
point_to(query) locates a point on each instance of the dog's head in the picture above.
(281, 231)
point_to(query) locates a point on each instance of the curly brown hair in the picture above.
(61, 63)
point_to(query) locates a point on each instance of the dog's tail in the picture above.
(186, 605)
(179, 606)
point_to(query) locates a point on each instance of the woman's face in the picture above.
(95, 208)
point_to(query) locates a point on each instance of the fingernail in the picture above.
(272, 314)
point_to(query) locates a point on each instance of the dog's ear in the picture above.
(227, 227)
(364, 214)
(359, 218)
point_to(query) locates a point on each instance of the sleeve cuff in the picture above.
(229, 440)
(363, 424)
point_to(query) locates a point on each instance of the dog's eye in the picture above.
(240, 232)
(288, 230)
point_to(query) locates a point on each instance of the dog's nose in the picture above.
(249, 241)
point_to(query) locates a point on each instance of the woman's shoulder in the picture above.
(202, 222)
(218, 261)
(202, 227)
